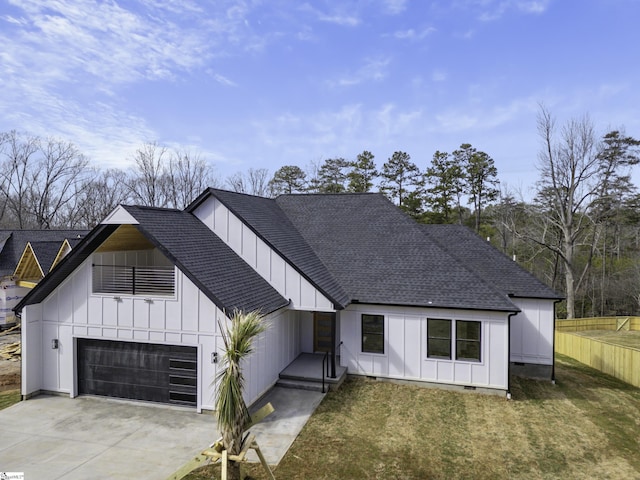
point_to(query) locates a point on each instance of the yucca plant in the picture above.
(231, 411)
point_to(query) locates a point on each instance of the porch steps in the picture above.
(300, 384)
(305, 373)
(313, 384)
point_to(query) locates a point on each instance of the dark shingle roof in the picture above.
(16, 240)
(352, 247)
(268, 221)
(46, 253)
(207, 261)
(216, 269)
(380, 255)
(493, 265)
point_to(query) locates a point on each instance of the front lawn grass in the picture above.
(585, 426)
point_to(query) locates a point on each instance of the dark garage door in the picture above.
(138, 371)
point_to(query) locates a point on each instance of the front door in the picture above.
(322, 332)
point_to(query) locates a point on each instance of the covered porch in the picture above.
(316, 364)
(313, 371)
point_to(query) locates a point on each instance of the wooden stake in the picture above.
(263, 461)
(224, 465)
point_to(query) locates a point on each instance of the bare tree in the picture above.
(147, 181)
(187, 176)
(18, 152)
(40, 178)
(168, 178)
(58, 177)
(238, 183)
(259, 182)
(102, 193)
(254, 182)
(576, 174)
(312, 172)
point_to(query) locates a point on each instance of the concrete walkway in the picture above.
(52, 437)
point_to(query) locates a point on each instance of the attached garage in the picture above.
(138, 371)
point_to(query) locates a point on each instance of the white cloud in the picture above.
(534, 6)
(411, 34)
(395, 7)
(338, 15)
(111, 44)
(65, 64)
(222, 80)
(343, 20)
(482, 117)
(346, 131)
(494, 9)
(373, 70)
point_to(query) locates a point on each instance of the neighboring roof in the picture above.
(380, 255)
(268, 221)
(46, 253)
(36, 260)
(218, 271)
(15, 242)
(511, 279)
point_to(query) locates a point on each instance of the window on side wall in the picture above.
(438, 338)
(372, 333)
(468, 340)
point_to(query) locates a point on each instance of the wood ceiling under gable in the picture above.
(126, 237)
(28, 268)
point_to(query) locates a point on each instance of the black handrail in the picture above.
(325, 362)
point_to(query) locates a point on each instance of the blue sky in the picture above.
(262, 84)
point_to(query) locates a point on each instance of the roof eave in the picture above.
(505, 309)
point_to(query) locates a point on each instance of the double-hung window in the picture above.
(459, 339)
(467, 340)
(373, 333)
(438, 338)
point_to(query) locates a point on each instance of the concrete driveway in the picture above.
(52, 437)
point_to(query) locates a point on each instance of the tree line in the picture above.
(580, 233)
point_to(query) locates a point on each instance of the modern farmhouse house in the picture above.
(134, 310)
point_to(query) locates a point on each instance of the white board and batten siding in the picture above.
(261, 257)
(532, 331)
(405, 355)
(189, 318)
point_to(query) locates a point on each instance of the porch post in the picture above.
(333, 345)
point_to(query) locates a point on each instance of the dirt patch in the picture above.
(10, 370)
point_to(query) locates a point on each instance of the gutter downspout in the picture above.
(513, 314)
(553, 345)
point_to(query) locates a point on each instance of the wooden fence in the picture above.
(598, 323)
(620, 362)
